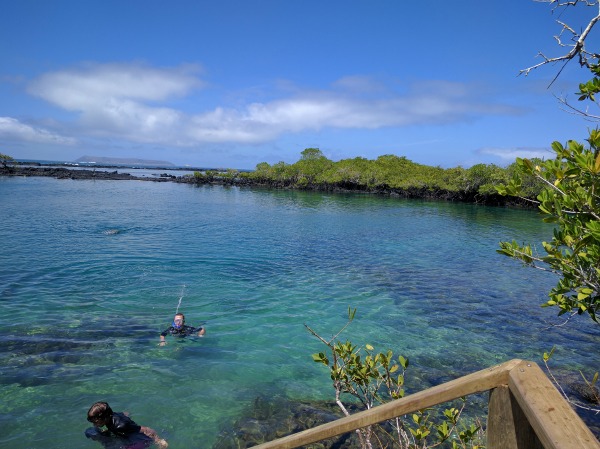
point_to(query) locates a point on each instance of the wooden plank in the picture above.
(507, 426)
(554, 421)
(477, 382)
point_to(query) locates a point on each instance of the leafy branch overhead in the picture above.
(569, 199)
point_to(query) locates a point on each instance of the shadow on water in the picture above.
(31, 357)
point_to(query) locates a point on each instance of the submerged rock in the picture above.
(585, 393)
(272, 418)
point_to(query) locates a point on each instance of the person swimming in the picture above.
(121, 431)
(180, 329)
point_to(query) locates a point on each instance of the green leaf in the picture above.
(443, 430)
(403, 362)
(321, 358)
(547, 355)
(582, 296)
(351, 313)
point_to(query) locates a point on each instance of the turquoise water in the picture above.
(92, 272)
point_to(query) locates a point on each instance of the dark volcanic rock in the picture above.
(585, 393)
(273, 418)
(66, 173)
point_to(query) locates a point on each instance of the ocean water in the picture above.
(92, 271)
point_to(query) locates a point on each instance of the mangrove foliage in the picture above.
(388, 174)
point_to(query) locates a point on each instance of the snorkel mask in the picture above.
(178, 323)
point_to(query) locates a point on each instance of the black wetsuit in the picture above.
(181, 332)
(122, 425)
(122, 432)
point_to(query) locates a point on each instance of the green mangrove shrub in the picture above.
(571, 201)
(370, 378)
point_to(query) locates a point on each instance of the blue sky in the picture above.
(230, 84)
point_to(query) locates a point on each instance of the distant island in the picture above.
(123, 161)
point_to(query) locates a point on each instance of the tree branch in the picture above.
(577, 49)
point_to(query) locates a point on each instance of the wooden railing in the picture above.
(525, 411)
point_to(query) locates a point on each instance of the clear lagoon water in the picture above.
(92, 271)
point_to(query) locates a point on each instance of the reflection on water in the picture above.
(93, 272)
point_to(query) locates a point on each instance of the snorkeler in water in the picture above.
(121, 431)
(180, 329)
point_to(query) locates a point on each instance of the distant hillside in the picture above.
(123, 161)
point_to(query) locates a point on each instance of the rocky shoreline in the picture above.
(97, 173)
(67, 173)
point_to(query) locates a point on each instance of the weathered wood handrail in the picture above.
(525, 411)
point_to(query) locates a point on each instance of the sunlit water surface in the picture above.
(92, 272)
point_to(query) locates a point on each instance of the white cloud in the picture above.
(94, 84)
(128, 101)
(318, 110)
(117, 99)
(513, 153)
(13, 129)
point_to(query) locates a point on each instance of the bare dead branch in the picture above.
(560, 4)
(569, 108)
(577, 48)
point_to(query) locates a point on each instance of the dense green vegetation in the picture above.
(389, 174)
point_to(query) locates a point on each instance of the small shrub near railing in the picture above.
(359, 373)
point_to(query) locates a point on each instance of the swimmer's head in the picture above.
(99, 414)
(179, 321)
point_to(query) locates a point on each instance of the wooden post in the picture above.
(555, 423)
(507, 426)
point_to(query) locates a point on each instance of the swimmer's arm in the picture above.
(152, 434)
(162, 340)
(163, 334)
